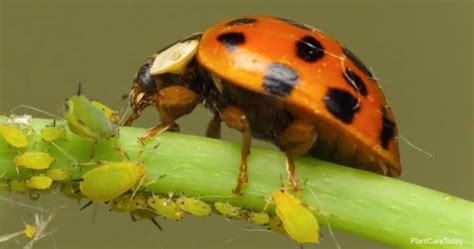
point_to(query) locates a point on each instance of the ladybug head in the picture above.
(143, 89)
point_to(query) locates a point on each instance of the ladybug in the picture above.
(277, 80)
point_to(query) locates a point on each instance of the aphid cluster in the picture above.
(119, 183)
(34, 166)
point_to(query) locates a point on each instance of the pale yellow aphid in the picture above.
(110, 180)
(57, 174)
(19, 186)
(260, 218)
(13, 136)
(34, 160)
(298, 221)
(125, 203)
(109, 113)
(228, 210)
(52, 133)
(40, 182)
(165, 207)
(194, 206)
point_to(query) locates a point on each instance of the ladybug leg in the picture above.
(235, 118)
(297, 138)
(214, 127)
(172, 102)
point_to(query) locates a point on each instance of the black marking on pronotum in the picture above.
(231, 39)
(357, 62)
(297, 24)
(355, 82)
(144, 78)
(241, 21)
(309, 49)
(341, 104)
(388, 129)
(280, 79)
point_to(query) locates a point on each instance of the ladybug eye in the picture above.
(144, 79)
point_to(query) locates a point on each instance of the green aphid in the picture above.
(125, 203)
(108, 181)
(260, 218)
(165, 207)
(228, 210)
(13, 136)
(53, 133)
(57, 174)
(194, 206)
(298, 221)
(19, 186)
(109, 113)
(36, 160)
(85, 120)
(40, 182)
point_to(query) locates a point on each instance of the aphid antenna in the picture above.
(140, 184)
(12, 111)
(67, 155)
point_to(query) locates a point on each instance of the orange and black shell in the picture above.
(316, 78)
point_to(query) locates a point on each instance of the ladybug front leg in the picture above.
(235, 118)
(172, 102)
(297, 138)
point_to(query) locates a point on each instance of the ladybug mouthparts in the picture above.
(138, 101)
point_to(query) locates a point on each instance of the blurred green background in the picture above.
(421, 51)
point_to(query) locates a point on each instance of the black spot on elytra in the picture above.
(388, 129)
(309, 49)
(341, 104)
(241, 21)
(297, 24)
(355, 82)
(280, 79)
(357, 62)
(231, 39)
(144, 78)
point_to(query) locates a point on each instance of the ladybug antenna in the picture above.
(79, 88)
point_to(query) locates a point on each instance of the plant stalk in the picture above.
(379, 208)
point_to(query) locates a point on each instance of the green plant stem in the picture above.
(375, 207)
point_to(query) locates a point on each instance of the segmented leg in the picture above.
(297, 138)
(235, 119)
(172, 102)
(214, 127)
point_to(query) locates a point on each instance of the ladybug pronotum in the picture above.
(276, 80)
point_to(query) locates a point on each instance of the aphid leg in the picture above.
(154, 131)
(214, 127)
(156, 224)
(297, 138)
(86, 205)
(236, 119)
(172, 102)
